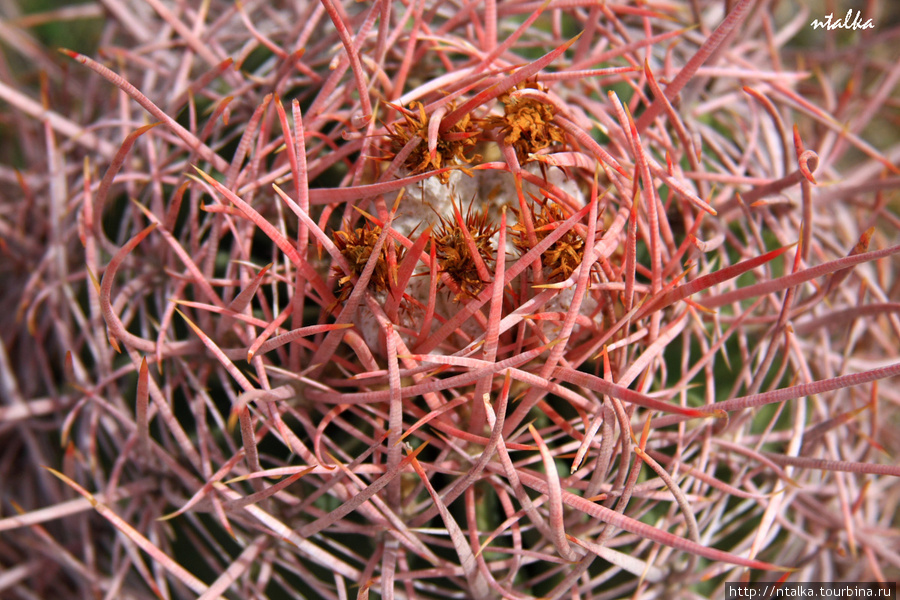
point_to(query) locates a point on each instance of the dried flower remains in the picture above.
(452, 144)
(356, 246)
(527, 124)
(453, 253)
(563, 256)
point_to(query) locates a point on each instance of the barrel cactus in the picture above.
(447, 300)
